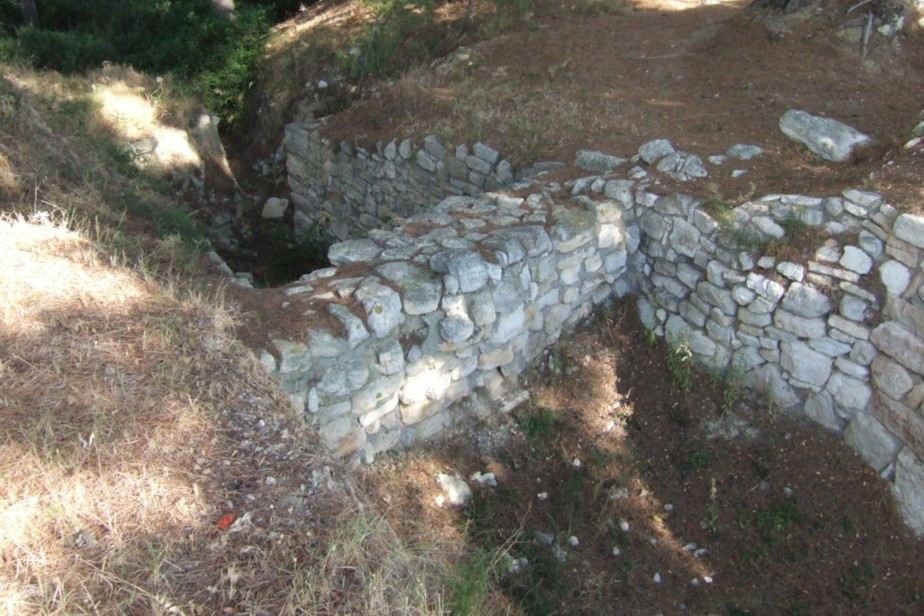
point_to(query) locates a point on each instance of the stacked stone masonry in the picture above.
(351, 191)
(461, 297)
(453, 301)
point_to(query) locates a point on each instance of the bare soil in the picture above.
(569, 76)
(736, 508)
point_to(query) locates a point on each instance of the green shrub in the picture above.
(216, 57)
(67, 52)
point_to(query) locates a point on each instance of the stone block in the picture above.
(805, 364)
(909, 490)
(900, 344)
(869, 438)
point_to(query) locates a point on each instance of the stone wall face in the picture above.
(351, 191)
(449, 304)
(465, 294)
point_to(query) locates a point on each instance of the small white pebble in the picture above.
(707, 579)
(624, 526)
(574, 541)
(653, 541)
(700, 552)
(576, 463)
(440, 500)
(542, 496)
(270, 481)
(689, 547)
(695, 581)
(668, 507)
(616, 551)
(657, 578)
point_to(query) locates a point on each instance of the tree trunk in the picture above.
(30, 14)
(225, 8)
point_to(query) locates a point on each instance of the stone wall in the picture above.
(448, 304)
(351, 191)
(472, 290)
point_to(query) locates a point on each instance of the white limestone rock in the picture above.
(909, 490)
(831, 140)
(869, 438)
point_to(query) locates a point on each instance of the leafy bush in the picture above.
(215, 55)
(67, 52)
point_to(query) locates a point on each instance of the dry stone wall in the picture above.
(351, 191)
(459, 298)
(448, 305)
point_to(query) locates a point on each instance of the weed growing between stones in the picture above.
(680, 364)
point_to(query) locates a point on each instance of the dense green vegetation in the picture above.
(213, 55)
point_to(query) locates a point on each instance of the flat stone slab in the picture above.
(831, 140)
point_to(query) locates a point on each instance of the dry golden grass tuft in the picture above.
(137, 438)
(128, 433)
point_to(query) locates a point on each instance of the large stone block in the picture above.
(909, 490)
(869, 438)
(804, 364)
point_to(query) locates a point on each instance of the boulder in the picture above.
(829, 139)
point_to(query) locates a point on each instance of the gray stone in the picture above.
(274, 208)
(910, 228)
(870, 244)
(831, 348)
(766, 288)
(768, 381)
(897, 342)
(863, 352)
(685, 238)
(620, 191)
(792, 271)
(743, 151)
(853, 308)
(721, 298)
(653, 151)
(801, 327)
(805, 364)
(848, 327)
(322, 344)
(806, 301)
(420, 293)
(466, 267)
(353, 251)
(486, 153)
(895, 276)
(509, 325)
(495, 358)
(876, 445)
(597, 161)
(482, 308)
(767, 226)
(856, 260)
(354, 327)
(434, 148)
(909, 490)
(382, 306)
(682, 166)
(390, 357)
(820, 409)
(891, 379)
(850, 395)
(829, 139)
(455, 490)
(456, 327)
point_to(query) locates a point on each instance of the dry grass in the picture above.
(133, 421)
(126, 415)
